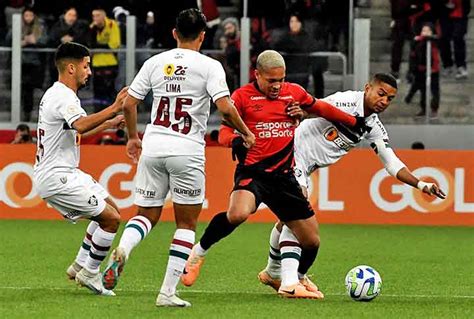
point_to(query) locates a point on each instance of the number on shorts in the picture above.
(163, 114)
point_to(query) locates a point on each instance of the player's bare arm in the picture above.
(405, 176)
(134, 144)
(233, 119)
(117, 122)
(86, 123)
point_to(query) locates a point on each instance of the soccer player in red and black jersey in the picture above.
(270, 108)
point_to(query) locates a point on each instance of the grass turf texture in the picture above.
(426, 272)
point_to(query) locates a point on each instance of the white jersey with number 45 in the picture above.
(183, 82)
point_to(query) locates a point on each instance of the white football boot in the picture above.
(72, 270)
(171, 301)
(92, 282)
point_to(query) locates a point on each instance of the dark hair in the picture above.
(190, 23)
(23, 127)
(386, 78)
(417, 146)
(71, 50)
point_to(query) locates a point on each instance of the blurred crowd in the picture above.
(444, 24)
(294, 27)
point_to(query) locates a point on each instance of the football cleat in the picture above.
(191, 269)
(299, 291)
(93, 282)
(171, 301)
(112, 272)
(72, 270)
(268, 280)
(308, 284)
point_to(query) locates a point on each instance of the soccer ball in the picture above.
(363, 283)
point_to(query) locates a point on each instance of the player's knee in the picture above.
(310, 242)
(111, 221)
(237, 217)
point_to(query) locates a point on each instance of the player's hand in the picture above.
(239, 150)
(295, 112)
(117, 122)
(360, 127)
(431, 189)
(120, 98)
(249, 140)
(134, 149)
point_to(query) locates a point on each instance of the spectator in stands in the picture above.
(22, 135)
(401, 30)
(211, 11)
(230, 43)
(68, 28)
(105, 34)
(454, 20)
(12, 7)
(33, 35)
(418, 56)
(338, 23)
(296, 45)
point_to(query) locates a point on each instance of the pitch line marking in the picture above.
(231, 292)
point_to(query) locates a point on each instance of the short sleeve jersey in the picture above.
(319, 142)
(58, 143)
(183, 82)
(269, 122)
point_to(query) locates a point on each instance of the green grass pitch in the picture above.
(427, 272)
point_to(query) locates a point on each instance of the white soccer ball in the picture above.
(363, 283)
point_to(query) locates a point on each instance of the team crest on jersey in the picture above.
(298, 172)
(93, 200)
(169, 69)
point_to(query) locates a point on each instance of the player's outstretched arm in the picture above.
(233, 119)
(134, 144)
(85, 124)
(404, 175)
(398, 169)
(333, 114)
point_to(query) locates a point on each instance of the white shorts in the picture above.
(301, 175)
(80, 197)
(183, 176)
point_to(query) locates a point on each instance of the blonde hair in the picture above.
(270, 59)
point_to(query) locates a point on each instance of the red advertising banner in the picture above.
(356, 190)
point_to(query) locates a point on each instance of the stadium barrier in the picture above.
(356, 190)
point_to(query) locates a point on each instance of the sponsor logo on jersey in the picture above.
(332, 135)
(169, 69)
(145, 193)
(174, 73)
(257, 98)
(345, 104)
(189, 192)
(274, 129)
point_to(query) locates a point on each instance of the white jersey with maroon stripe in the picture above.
(183, 82)
(319, 143)
(58, 143)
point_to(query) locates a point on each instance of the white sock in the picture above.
(290, 257)
(135, 231)
(274, 257)
(100, 245)
(199, 250)
(86, 244)
(180, 249)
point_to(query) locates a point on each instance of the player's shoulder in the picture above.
(376, 124)
(290, 87)
(248, 90)
(61, 93)
(348, 95)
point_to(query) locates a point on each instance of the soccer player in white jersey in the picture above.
(183, 81)
(320, 143)
(58, 179)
